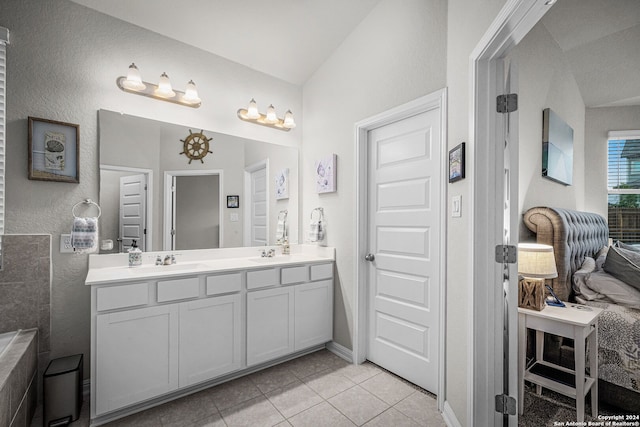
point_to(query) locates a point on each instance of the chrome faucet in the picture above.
(167, 260)
(158, 260)
(268, 253)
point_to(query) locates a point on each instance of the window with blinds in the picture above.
(4, 39)
(623, 186)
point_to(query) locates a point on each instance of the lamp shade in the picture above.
(536, 261)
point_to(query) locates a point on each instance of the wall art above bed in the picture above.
(557, 148)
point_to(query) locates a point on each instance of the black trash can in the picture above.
(62, 386)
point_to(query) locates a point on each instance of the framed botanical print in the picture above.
(54, 151)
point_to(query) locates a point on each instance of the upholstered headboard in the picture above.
(574, 235)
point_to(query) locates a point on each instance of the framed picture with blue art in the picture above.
(282, 184)
(557, 148)
(456, 163)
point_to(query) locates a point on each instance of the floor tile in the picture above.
(309, 364)
(422, 408)
(359, 373)
(322, 415)
(233, 393)
(148, 418)
(327, 383)
(273, 378)
(293, 398)
(187, 410)
(392, 417)
(256, 412)
(210, 421)
(388, 387)
(358, 405)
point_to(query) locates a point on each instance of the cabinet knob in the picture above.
(370, 257)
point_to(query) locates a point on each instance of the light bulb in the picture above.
(252, 110)
(191, 93)
(164, 87)
(133, 80)
(271, 115)
(288, 120)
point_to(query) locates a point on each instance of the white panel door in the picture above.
(136, 356)
(133, 211)
(404, 229)
(313, 314)
(259, 207)
(210, 335)
(270, 324)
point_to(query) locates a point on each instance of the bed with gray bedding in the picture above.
(591, 273)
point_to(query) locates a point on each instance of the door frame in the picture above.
(149, 198)
(512, 24)
(168, 210)
(423, 104)
(248, 195)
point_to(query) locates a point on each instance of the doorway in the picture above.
(400, 290)
(494, 284)
(193, 214)
(256, 207)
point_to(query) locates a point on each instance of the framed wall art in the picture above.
(54, 151)
(233, 201)
(282, 184)
(456, 163)
(326, 174)
(557, 148)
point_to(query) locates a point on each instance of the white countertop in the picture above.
(105, 269)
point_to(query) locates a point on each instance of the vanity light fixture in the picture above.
(271, 119)
(133, 83)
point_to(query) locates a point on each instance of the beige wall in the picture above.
(599, 121)
(546, 81)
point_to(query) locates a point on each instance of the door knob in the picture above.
(369, 257)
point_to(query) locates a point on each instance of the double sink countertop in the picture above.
(108, 268)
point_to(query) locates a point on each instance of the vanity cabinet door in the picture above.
(313, 314)
(270, 325)
(210, 336)
(136, 356)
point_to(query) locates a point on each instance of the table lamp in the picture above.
(535, 264)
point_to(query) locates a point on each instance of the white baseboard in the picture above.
(449, 417)
(340, 351)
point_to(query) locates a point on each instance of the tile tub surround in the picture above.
(18, 388)
(316, 390)
(25, 285)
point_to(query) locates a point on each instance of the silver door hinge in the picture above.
(505, 404)
(506, 254)
(173, 232)
(507, 103)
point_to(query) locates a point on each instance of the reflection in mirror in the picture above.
(151, 192)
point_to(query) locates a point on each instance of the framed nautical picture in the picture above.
(54, 151)
(325, 169)
(282, 184)
(456, 163)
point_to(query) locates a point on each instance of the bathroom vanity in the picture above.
(161, 332)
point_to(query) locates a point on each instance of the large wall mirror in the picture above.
(242, 193)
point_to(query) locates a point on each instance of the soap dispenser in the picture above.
(135, 255)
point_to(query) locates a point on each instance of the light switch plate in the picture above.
(456, 206)
(65, 244)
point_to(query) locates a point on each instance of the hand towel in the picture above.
(84, 235)
(316, 227)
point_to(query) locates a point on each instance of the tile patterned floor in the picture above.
(316, 390)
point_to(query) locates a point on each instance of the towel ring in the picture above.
(85, 202)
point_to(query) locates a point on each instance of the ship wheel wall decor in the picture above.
(196, 146)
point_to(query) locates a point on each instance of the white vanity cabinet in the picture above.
(290, 317)
(136, 356)
(270, 324)
(156, 338)
(210, 338)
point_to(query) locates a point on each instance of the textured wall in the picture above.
(62, 64)
(546, 81)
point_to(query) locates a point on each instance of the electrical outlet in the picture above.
(65, 244)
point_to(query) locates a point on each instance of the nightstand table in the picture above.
(575, 321)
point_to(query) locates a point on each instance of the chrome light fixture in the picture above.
(270, 119)
(133, 83)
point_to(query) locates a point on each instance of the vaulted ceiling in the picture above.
(290, 39)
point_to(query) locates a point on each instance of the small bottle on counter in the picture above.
(286, 249)
(135, 255)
